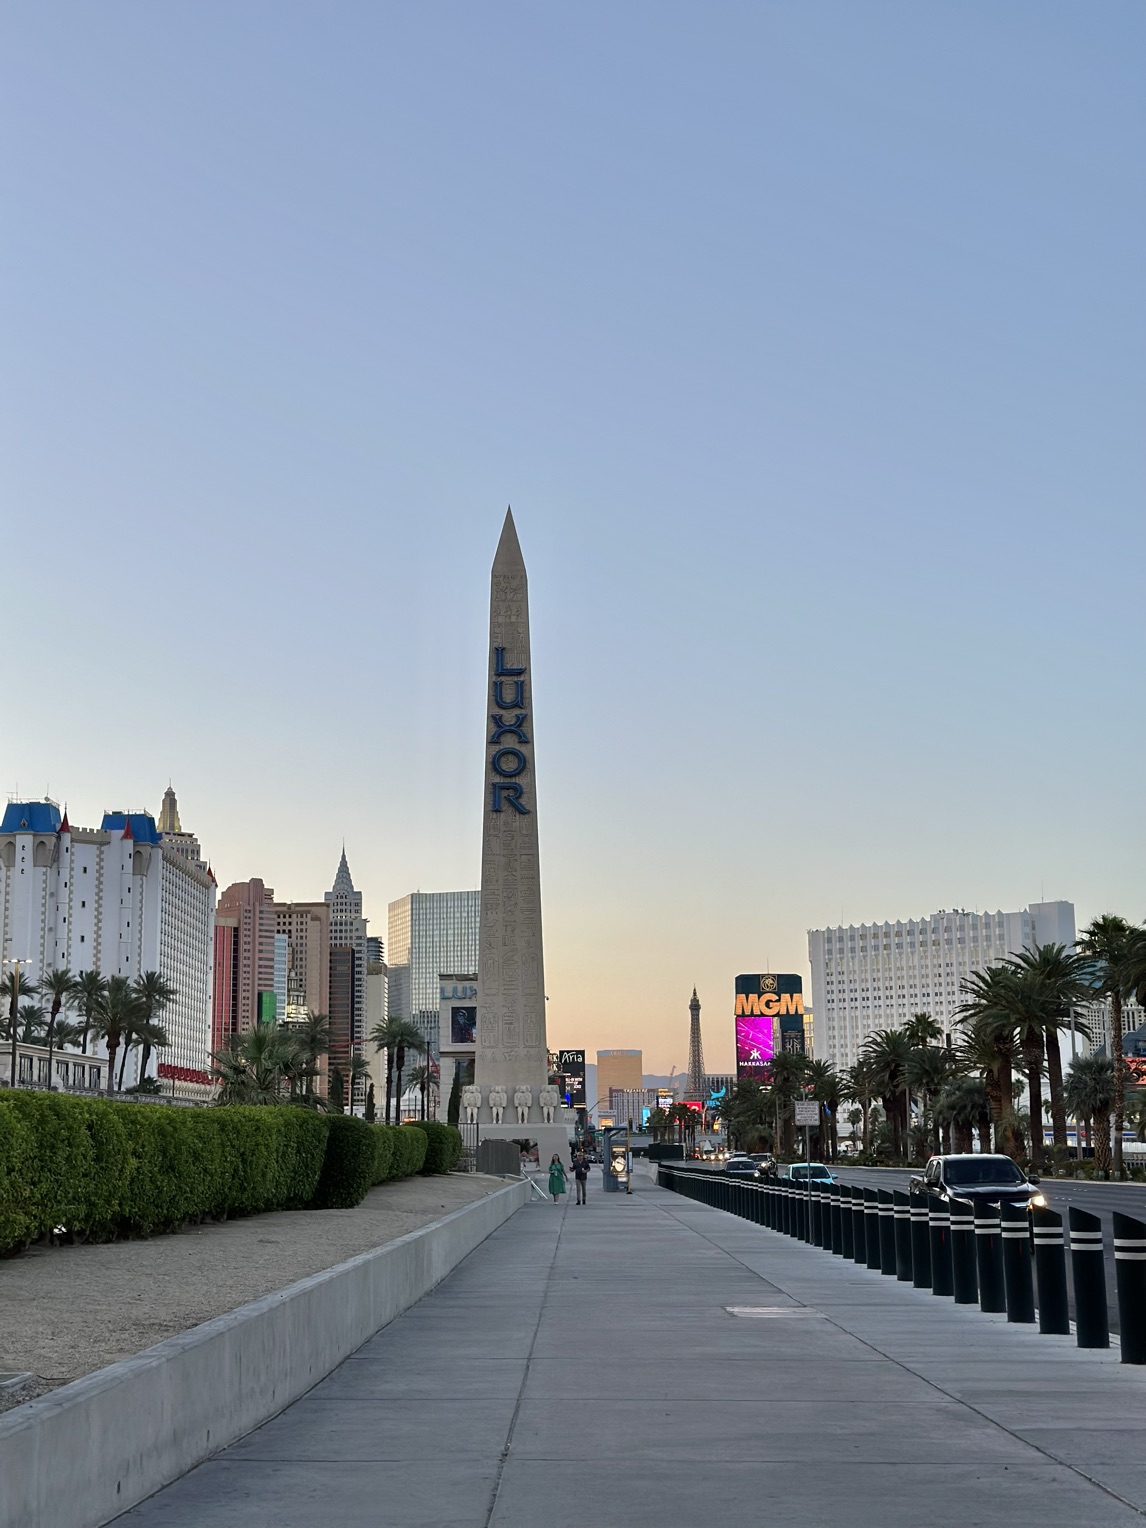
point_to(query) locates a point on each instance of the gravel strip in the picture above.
(65, 1311)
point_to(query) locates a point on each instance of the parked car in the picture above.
(981, 1177)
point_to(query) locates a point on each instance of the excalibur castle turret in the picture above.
(511, 1072)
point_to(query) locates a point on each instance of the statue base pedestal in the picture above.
(549, 1138)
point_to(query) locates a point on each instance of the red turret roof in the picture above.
(65, 826)
(127, 833)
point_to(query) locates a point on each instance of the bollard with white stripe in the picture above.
(871, 1226)
(1130, 1274)
(859, 1226)
(1088, 1274)
(920, 1242)
(816, 1200)
(835, 1203)
(964, 1279)
(989, 1259)
(939, 1237)
(902, 1212)
(1017, 1271)
(1050, 1272)
(886, 1233)
(847, 1223)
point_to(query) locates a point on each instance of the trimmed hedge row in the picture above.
(443, 1145)
(101, 1169)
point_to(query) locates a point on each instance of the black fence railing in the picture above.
(1004, 1258)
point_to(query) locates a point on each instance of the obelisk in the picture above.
(511, 1069)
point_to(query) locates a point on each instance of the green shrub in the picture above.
(98, 1168)
(349, 1165)
(443, 1146)
(409, 1151)
(383, 1152)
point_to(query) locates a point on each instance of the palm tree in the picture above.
(789, 1070)
(989, 1045)
(1056, 980)
(396, 1037)
(861, 1086)
(1109, 943)
(91, 988)
(747, 1115)
(929, 1069)
(313, 1034)
(888, 1052)
(922, 1030)
(962, 1106)
(114, 1021)
(60, 986)
(33, 1024)
(256, 1067)
(1134, 967)
(826, 1087)
(1089, 1092)
(14, 986)
(155, 996)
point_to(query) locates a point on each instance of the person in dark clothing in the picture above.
(581, 1175)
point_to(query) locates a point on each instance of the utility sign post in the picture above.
(807, 1113)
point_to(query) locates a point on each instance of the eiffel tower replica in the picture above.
(695, 1091)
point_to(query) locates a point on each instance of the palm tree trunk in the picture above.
(985, 1132)
(1054, 1088)
(51, 1041)
(1102, 1156)
(399, 1063)
(112, 1047)
(1119, 1081)
(389, 1081)
(865, 1105)
(1033, 1058)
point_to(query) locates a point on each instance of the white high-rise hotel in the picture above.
(876, 975)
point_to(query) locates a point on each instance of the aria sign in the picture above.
(508, 721)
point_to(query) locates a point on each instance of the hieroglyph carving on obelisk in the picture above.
(511, 1048)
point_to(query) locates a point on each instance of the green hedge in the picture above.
(348, 1169)
(409, 1151)
(101, 1169)
(443, 1146)
(383, 1151)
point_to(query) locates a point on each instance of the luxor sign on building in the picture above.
(769, 1016)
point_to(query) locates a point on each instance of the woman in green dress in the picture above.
(556, 1177)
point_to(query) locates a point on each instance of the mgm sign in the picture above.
(769, 1017)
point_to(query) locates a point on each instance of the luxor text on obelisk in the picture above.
(511, 1072)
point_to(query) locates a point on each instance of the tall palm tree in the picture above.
(929, 1069)
(826, 1087)
(313, 1034)
(1090, 1096)
(396, 1037)
(860, 1085)
(888, 1052)
(961, 1107)
(1057, 981)
(33, 1023)
(989, 1045)
(13, 986)
(155, 995)
(1108, 942)
(1134, 967)
(114, 1020)
(789, 1072)
(91, 989)
(921, 1030)
(60, 986)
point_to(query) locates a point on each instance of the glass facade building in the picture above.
(429, 933)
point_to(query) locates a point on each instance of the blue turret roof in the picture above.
(143, 828)
(30, 817)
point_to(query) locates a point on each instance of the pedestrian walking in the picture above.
(557, 1184)
(581, 1175)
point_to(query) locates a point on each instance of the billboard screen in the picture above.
(763, 1001)
(463, 1025)
(571, 1067)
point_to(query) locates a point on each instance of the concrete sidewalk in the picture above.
(583, 1367)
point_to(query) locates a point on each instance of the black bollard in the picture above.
(886, 1232)
(920, 1242)
(798, 1216)
(847, 1223)
(817, 1213)
(871, 1226)
(1088, 1272)
(835, 1205)
(784, 1218)
(1130, 1275)
(902, 1236)
(939, 1238)
(1017, 1271)
(989, 1259)
(964, 1280)
(1050, 1272)
(859, 1226)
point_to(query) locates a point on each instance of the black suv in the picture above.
(980, 1177)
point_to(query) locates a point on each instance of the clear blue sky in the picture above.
(806, 341)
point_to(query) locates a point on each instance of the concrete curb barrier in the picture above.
(85, 1453)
